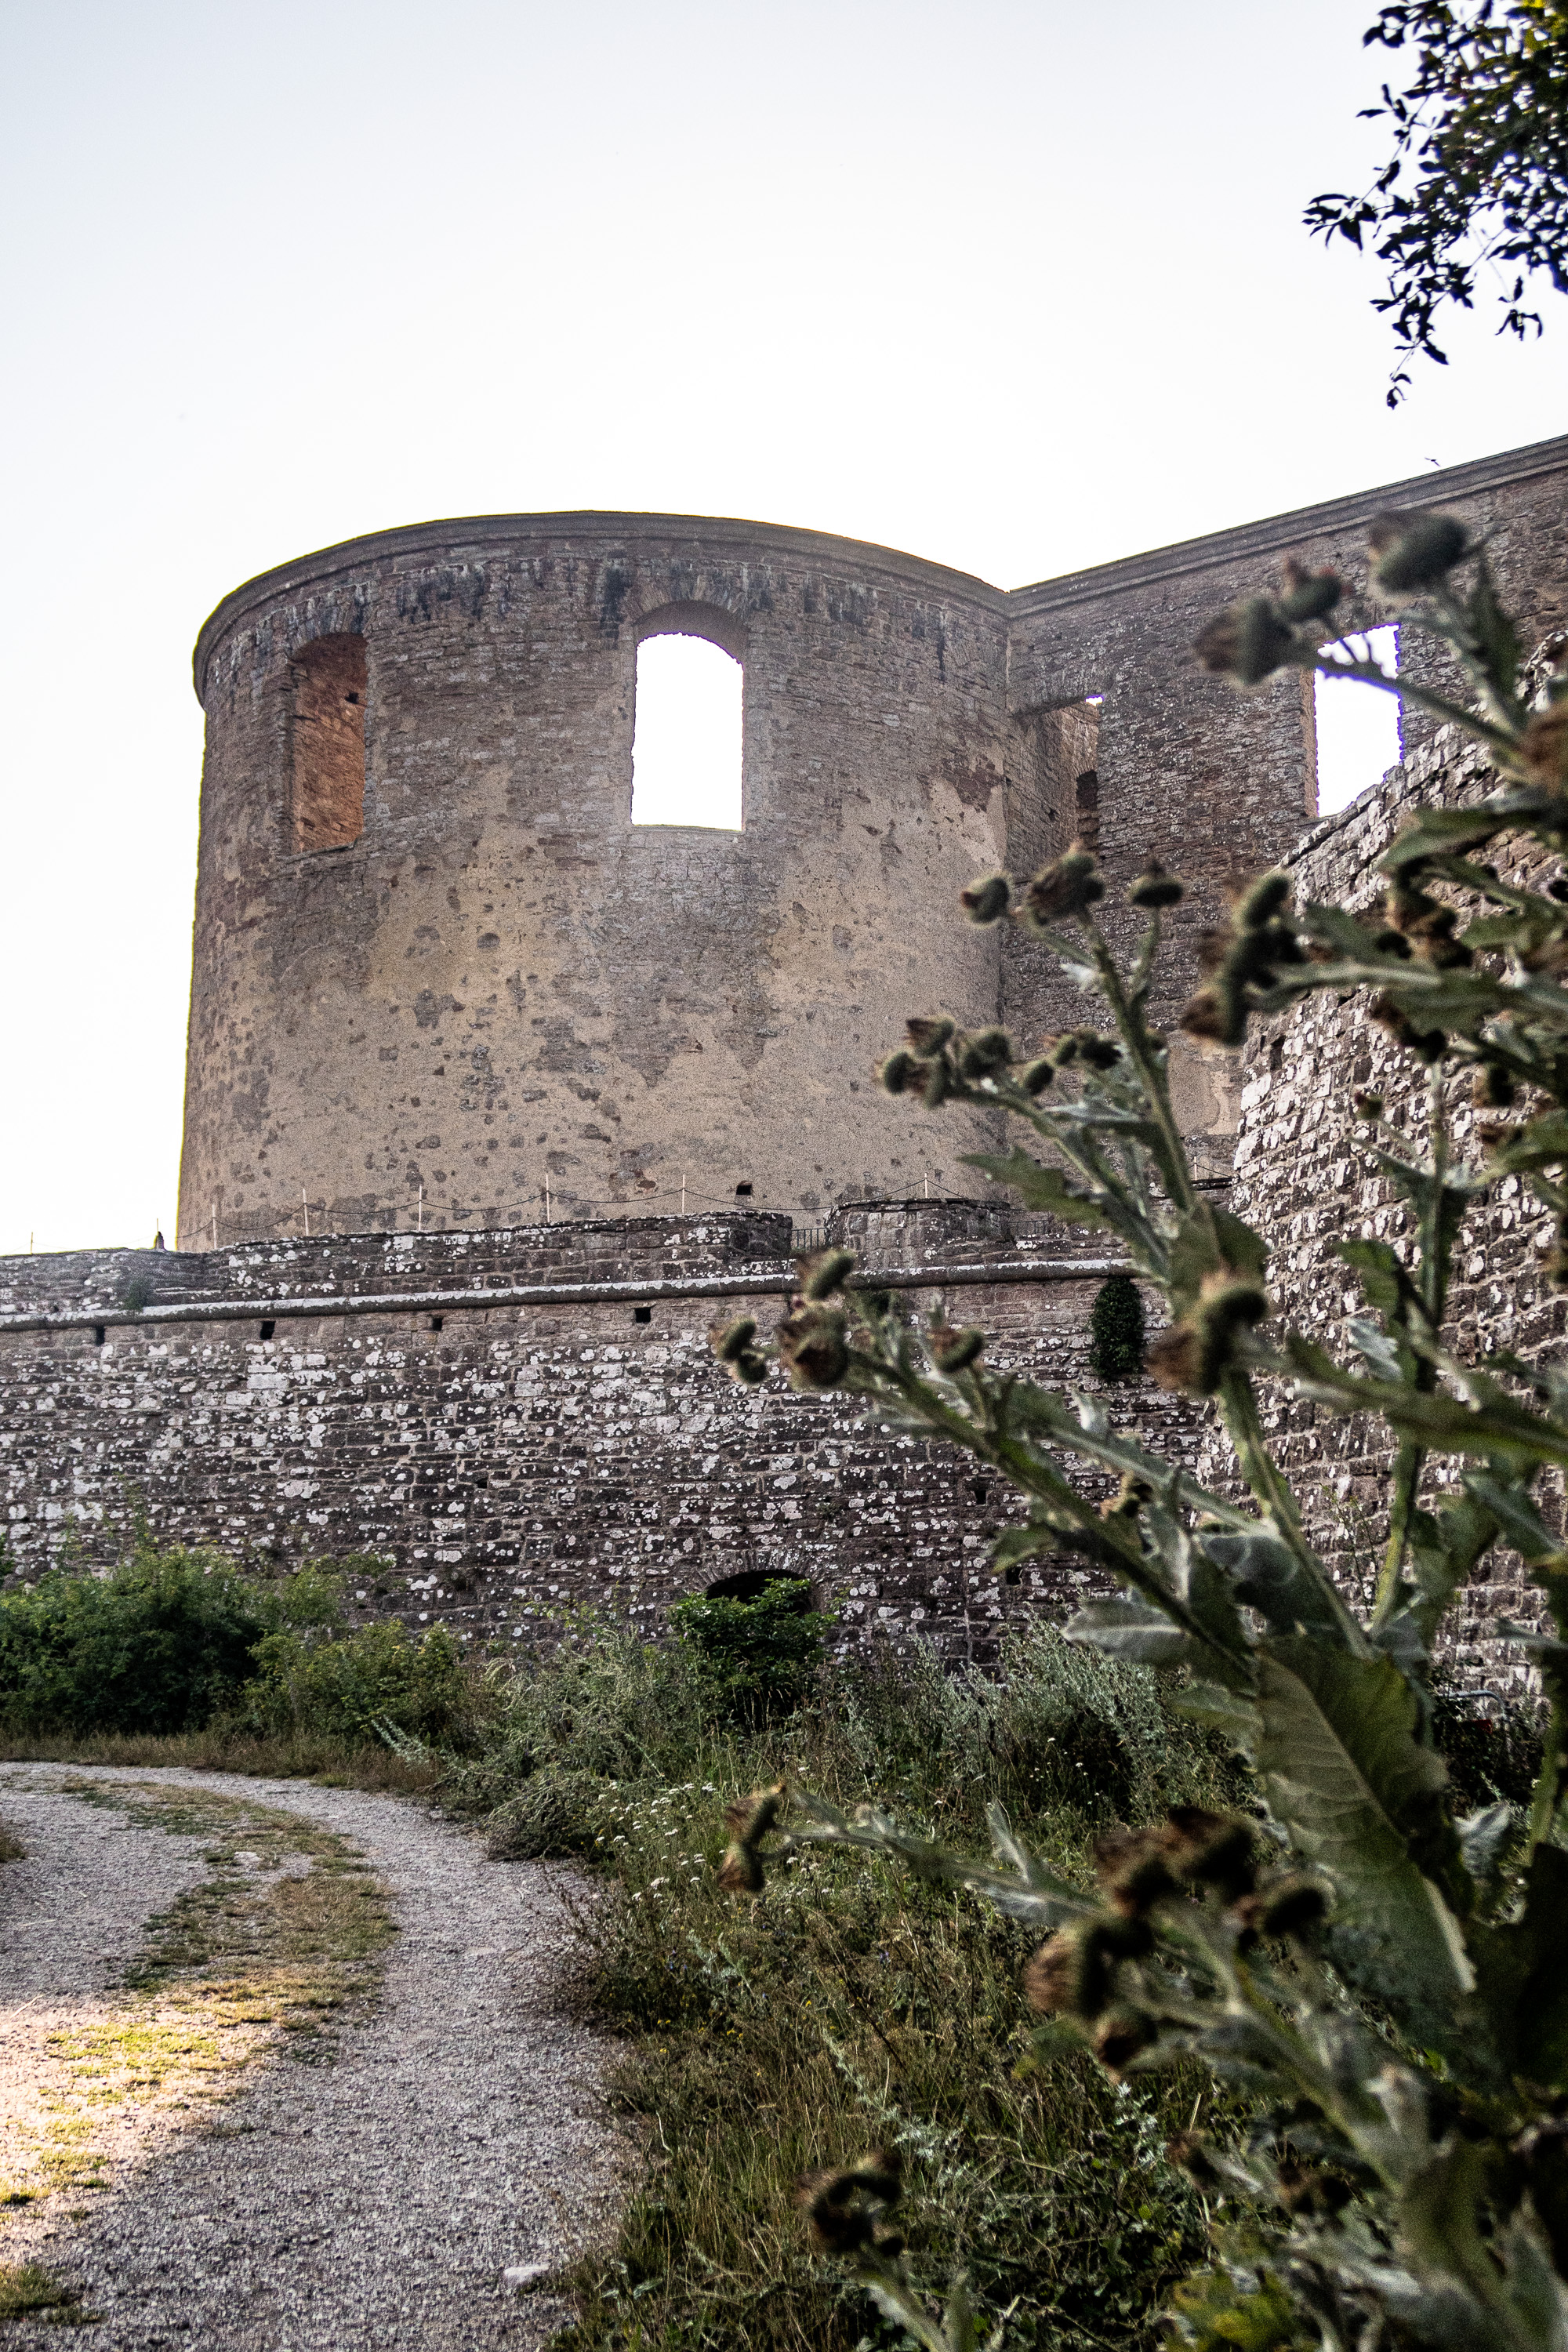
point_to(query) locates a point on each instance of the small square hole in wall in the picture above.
(99, 1334)
(642, 1314)
(742, 1191)
(1014, 1575)
(267, 1330)
(437, 1321)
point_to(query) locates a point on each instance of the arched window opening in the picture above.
(329, 743)
(1352, 729)
(686, 746)
(752, 1584)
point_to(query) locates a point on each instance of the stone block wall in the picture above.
(1305, 1179)
(493, 1464)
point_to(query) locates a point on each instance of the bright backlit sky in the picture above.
(1020, 287)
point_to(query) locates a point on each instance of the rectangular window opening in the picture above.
(1352, 731)
(686, 739)
(99, 1334)
(328, 749)
(437, 1321)
(267, 1330)
(642, 1314)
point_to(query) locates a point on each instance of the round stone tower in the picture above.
(437, 967)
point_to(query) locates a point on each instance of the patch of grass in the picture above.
(335, 1763)
(24, 2288)
(851, 2006)
(11, 1846)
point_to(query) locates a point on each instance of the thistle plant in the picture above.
(1385, 1983)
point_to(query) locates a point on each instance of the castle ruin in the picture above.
(495, 1097)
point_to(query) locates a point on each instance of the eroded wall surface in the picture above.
(1306, 1180)
(503, 983)
(522, 1461)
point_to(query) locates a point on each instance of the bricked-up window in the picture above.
(686, 747)
(329, 743)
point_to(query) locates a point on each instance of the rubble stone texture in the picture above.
(495, 981)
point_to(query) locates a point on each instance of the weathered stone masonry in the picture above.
(494, 980)
(509, 1462)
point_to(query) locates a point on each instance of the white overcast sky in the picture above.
(1017, 287)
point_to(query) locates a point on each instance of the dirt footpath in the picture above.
(378, 2195)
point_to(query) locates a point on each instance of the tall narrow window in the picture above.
(686, 747)
(329, 743)
(1054, 782)
(1355, 728)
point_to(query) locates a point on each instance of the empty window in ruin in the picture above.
(1352, 731)
(685, 741)
(329, 676)
(1054, 783)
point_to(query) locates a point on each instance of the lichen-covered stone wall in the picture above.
(520, 1461)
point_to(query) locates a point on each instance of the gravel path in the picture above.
(378, 2201)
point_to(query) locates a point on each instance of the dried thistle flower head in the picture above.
(1214, 1849)
(1155, 888)
(1216, 1014)
(1259, 901)
(1246, 643)
(1196, 1353)
(954, 1351)
(1493, 1087)
(1413, 550)
(1134, 1870)
(900, 1071)
(1293, 1906)
(1309, 595)
(986, 901)
(985, 1051)
(843, 2205)
(749, 1821)
(1050, 1977)
(1069, 886)
(734, 1339)
(1036, 1077)
(1119, 2039)
(928, 1035)
(812, 1347)
(1429, 1044)
(824, 1274)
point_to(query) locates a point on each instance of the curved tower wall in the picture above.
(501, 980)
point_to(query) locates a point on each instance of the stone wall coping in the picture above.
(772, 1284)
(1282, 531)
(607, 533)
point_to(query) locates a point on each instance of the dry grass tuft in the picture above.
(305, 1757)
(24, 2287)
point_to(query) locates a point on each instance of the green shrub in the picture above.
(1116, 1329)
(759, 1657)
(375, 1683)
(158, 1645)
